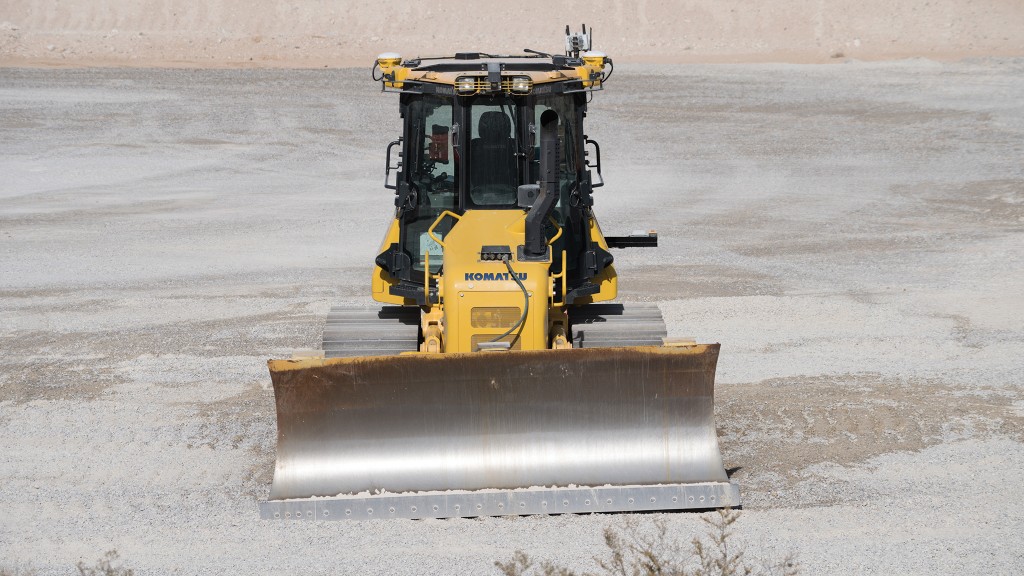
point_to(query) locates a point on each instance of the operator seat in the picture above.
(492, 156)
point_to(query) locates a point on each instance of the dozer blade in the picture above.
(496, 433)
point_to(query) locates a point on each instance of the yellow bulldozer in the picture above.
(499, 377)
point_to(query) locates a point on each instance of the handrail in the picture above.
(557, 227)
(426, 278)
(430, 231)
(560, 275)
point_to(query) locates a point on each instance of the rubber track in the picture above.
(356, 331)
(609, 325)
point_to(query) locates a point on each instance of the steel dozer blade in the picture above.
(497, 433)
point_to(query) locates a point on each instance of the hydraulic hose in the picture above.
(526, 300)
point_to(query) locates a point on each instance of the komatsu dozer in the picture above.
(498, 377)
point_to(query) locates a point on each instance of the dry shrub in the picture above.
(105, 566)
(634, 552)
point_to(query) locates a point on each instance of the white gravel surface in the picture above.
(851, 233)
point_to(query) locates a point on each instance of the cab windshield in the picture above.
(494, 152)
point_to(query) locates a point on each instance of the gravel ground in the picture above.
(851, 233)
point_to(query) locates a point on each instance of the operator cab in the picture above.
(471, 139)
(482, 165)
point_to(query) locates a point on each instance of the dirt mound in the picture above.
(314, 34)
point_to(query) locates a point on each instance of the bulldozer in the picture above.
(498, 375)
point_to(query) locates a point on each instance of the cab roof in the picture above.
(488, 70)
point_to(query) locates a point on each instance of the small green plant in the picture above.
(105, 566)
(635, 553)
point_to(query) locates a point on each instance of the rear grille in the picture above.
(494, 317)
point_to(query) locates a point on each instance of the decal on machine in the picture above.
(484, 276)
